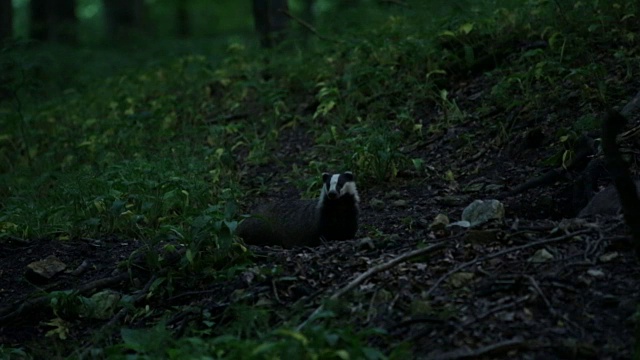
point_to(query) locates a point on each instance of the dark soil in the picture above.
(578, 304)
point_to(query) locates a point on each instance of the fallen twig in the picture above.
(216, 289)
(502, 307)
(275, 291)
(503, 252)
(82, 268)
(465, 325)
(308, 26)
(18, 308)
(552, 310)
(535, 285)
(374, 270)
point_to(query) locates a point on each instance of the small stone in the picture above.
(366, 244)
(540, 256)
(596, 273)
(440, 222)
(587, 280)
(400, 203)
(608, 256)
(606, 202)
(462, 224)
(481, 211)
(460, 279)
(47, 268)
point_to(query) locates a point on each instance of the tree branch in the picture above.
(374, 270)
(503, 252)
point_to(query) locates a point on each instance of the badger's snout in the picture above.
(332, 195)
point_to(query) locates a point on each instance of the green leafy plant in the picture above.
(316, 342)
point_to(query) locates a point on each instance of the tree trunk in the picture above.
(307, 11)
(308, 16)
(270, 20)
(53, 20)
(6, 19)
(39, 27)
(123, 16)
(64, 21)
(182, 18)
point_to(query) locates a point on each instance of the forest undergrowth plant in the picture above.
(451, 112)
(7, 352)
(106, 175)
(372, 151)
(308, 178)
(327, 96)
(314, 342)
(463, 39)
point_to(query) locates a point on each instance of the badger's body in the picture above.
(334, 216)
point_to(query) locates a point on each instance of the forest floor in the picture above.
(130, 188)
(477, 294)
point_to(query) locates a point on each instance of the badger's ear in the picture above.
(325, 177)
(348, 175)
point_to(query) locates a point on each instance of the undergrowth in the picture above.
(166, 152)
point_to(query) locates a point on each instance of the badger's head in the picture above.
(335, 186)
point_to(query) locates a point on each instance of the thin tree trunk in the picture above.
(123, 16)
(65, 21)
(39, 27)
(6, 19)
(308, 16)
(307, 11)
(182, 18)
(53, 20)
(270, 20)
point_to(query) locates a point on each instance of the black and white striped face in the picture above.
(336, 185)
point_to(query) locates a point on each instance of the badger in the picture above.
(334, 216)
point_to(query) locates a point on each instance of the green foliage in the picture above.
(12, 353)
(373, 152)
(316, 343)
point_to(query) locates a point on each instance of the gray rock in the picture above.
(46, 269)
(606, 202)
(481, 211)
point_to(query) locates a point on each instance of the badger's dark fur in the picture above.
(334, 216)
